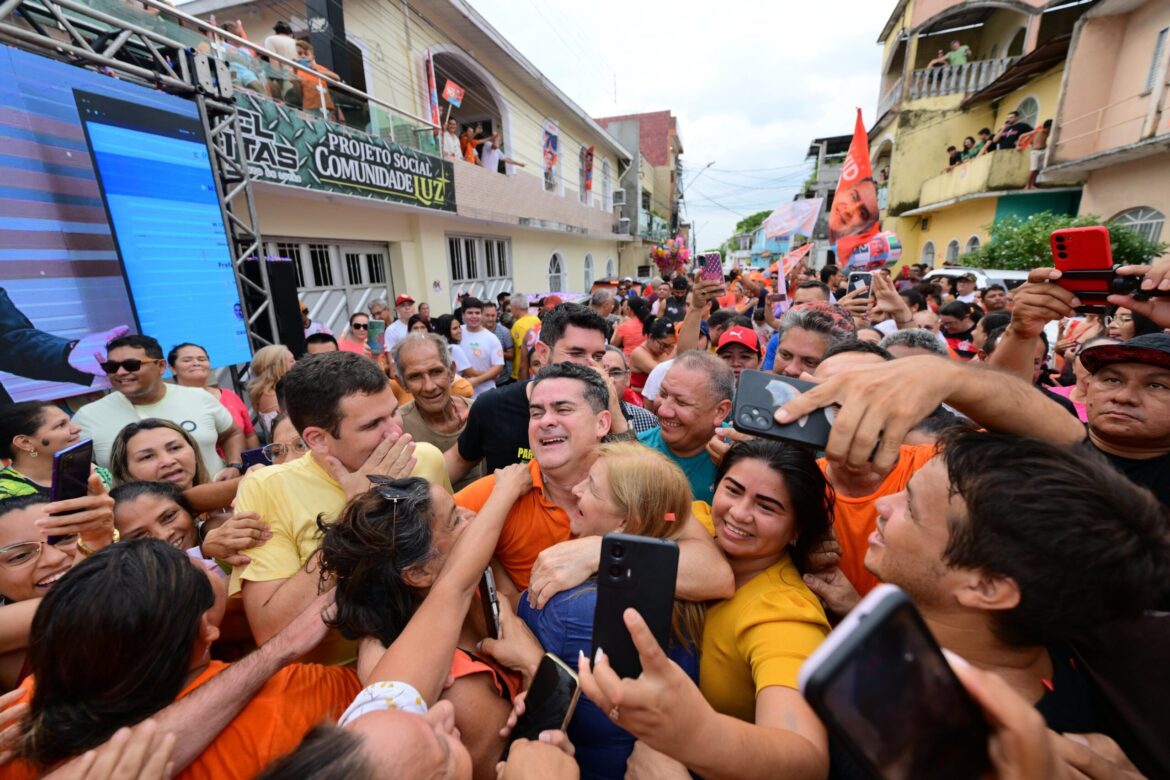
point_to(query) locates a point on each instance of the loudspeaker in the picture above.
(282, 289)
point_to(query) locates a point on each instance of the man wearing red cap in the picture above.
(404, 307)
(739, 347)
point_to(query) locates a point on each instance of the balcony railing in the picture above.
(652, 226)
(890, 99)
(1006, 169)
(957, 79)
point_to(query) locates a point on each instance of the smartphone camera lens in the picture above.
(1060, 239)
(616, 571)
(618, 550)
(1062, 255)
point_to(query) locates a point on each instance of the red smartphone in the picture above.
(1085, 259)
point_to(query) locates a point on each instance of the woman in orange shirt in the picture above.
(631, 332)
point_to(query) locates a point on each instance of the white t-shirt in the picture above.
(483, 351)
(284, 45)
(489, 157)
(654, 380)
(395, 333)
(194, 410)
(451, 146)
(459, 358)
(317, 327)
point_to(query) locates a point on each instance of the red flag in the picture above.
(436, 116)
(854, 215)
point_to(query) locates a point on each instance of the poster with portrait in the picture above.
(853, 218)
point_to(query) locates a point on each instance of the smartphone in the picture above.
(549, 703)
(71, 468)
(761, 393)
(884, 690)
(638, 572)
(377, 337)
(859, 279)
(490, 603)
(254, 457)
(712, 267)
(1084, 256)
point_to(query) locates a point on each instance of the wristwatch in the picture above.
(237, 466)
(86, 550)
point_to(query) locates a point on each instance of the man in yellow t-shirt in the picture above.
(520, 329)
(343, 407)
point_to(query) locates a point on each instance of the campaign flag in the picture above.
(549, 145)
(453, 93)
(587, 165)
(797, 217)
(853, 219)
(789, 262)
(436, 115)
(880, 251)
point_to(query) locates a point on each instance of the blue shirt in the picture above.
(699, 469)
(564, 628)
(770, 352)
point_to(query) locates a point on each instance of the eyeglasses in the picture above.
(1120, 319)
(278, 450)
(360, 326)
(616, 373)
(131, 365)
(25, 553)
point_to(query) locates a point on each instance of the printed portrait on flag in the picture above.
(854, 215)
(551, 157)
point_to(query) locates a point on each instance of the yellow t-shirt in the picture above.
(759, 637)
(289, 497)
(520, 330)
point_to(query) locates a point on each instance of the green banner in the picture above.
(286, 147)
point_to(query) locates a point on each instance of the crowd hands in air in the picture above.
(319, 616)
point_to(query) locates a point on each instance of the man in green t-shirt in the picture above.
(959, 54)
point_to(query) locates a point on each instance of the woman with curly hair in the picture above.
(269, 364)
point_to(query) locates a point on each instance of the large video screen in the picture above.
(109, 219)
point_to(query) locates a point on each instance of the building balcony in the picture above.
(653, 227)
(891, 99)
(1006, 169)
(956, 79)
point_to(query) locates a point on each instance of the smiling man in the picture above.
(135, 368)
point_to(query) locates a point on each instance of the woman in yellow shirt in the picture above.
(772, 506)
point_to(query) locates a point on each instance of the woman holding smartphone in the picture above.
(772, 506)
(31, 433)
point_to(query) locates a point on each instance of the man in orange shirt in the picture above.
(569, 417)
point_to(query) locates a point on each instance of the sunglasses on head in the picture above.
(360, 326)
(131, 365)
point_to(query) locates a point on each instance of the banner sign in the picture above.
(798, 217)
(453, 93)
(549, 145)
(285, 147)
(854, 216)
(789, 262)
(432, 95)
(588, 166)
(882, 250)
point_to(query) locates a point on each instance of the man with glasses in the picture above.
(135, 368)
(618, 370)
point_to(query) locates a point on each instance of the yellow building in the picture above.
(949, 70)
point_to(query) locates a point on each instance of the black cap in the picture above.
(282, 27)
(1152, 349)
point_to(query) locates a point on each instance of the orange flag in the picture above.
(853, 219)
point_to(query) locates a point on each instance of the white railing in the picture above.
(957, 79)
(890, 99)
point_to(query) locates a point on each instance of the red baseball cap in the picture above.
(401, 299)
(740, 335)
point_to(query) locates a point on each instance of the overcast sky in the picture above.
(752, 82)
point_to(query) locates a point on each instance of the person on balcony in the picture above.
(959, 54)
(451, 147)
(314, 90)
(938, 62)
(1039, 150)
(1008, 135)
(970, 149)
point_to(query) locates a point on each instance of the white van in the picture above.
(983, 276)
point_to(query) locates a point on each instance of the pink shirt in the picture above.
(239, 412)
(345, 345)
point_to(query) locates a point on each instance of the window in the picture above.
(973, 244)
(335, 279)
(479, 265)
(610, 268)
(1156, 62)
(1145, 221)
(588, 272)
(353, 267)
(292, 252)
(606, 186)
(952, 252)
(322, 268)
(556, 273)
(1029, 111)
(583, 175)
(928, 253)
(376, 263)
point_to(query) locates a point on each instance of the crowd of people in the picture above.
(1014, 134)
(316, 614)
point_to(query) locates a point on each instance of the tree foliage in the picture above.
(1018, 243)
(752, 221)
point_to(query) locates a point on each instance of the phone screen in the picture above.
(897, 701)
(550, 701)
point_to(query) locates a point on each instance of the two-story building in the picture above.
(542, 221)
(1112, 128)
(951, 68)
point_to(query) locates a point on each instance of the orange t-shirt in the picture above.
(533, 525)
(854, 519)
(290, 704)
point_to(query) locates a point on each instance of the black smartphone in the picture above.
(490, 603)
(71, 468)
(859, 279)
(884, 690)
(637, 572)
(550, 701)
(761, 393)
(254, 457)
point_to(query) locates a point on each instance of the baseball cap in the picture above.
(627, 279)
(1152, 349)
(967, 278)
(401, 299)
(740, 335)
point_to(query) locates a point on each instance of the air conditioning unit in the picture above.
(619, 198)
(644, 272)
(623, 225)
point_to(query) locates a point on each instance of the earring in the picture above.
(33, 453)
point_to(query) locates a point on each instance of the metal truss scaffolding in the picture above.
(81, 35)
